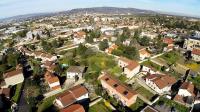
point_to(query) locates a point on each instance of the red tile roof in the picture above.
(161, 80)
(132, 65)
(168, 40)
(50, 78)
(13, 73)
(73, 108)
(121, 88)
(70, 95)
(196, 51)
(126, 60)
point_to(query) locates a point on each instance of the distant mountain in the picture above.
(110, 10)
(101, 10)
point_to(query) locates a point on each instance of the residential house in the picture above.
(160, 83)
(127, 42)
(123, 62)
(49, 65)
(111, 48)
(52, 81)
(132, 69)
(170, 44)
(73, 108)
(185, 94)
(196, 54)
(44, 56)
(13, 77)
(79, 37)
(118, 90)
(186, 89)
(5, 92)
(72, 95)
(148, 70)
(75, 72)
(144, 54)
(192, 42)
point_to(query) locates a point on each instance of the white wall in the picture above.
(183, 92)
(54, 84)
(14, 79)
(130, 74)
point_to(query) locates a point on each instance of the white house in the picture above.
(144, 54)
(79, 37)
(160, 83)
(70, 96)
(132, 69)
(123, 62)
(186, 89)
(196, 54)
(13, 77)
(75, 72)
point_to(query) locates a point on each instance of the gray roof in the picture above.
(76, 69)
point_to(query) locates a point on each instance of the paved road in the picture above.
(23, 105)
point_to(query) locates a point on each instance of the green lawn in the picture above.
(151, 65)
(139, 105)
(99, 107)
(172, 103)
(46, 103)
(144, 92)
(172, 57)
(16, 96)
(195, 81)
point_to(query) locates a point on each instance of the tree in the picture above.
(81, 49)
(144, 41)
(103, 45)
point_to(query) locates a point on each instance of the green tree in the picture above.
(103, 45)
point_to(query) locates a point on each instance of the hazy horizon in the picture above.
(10, 8)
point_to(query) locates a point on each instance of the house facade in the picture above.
(52, 81)
(75, 72)
(118, 90)
(196, 54)
(71, 96)
(160, 83)
(13, 77)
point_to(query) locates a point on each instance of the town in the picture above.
(93, 62)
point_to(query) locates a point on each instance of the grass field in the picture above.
(16, 96)
(99, 107)
(144, 92)
(139, 105)
(46, 103)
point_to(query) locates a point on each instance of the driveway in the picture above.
(23, 105)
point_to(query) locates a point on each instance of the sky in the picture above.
(9, 8)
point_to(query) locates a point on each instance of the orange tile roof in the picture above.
(126, 60)
(121, 88)
(144, 52)
(73, 108)
(168, 40)
(69, 96)
(161, 80)
(50, 78)
(13, 73)
(56, 87)
(196, 51)
(179, 99)
(132, 65)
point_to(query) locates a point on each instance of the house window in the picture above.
(115, 85)
(106, 79)
(125, 92)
